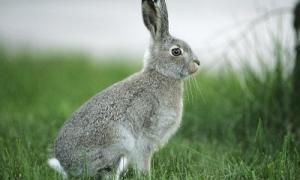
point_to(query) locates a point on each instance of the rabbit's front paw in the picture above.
(144, 166)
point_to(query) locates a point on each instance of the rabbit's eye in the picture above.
(176, 52)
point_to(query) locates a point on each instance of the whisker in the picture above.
(200, 91)
(194, 85)
(186, 94)
(190, 89)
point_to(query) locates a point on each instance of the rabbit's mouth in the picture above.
(193, 67)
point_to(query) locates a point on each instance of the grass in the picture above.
(233, 128)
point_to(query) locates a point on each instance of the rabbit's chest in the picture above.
(168, 120)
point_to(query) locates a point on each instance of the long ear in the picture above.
(155, 17)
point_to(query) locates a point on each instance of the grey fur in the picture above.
(134, 117)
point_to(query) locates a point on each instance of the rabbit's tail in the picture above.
(55, 164)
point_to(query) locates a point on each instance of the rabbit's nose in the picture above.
(196, 61)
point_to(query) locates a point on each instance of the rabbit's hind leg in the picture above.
(111, 173)
(101, 162)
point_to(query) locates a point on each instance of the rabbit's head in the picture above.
(169, 56)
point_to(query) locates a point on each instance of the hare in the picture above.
(127, 122)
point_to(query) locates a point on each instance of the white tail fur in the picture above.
(55, 164)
